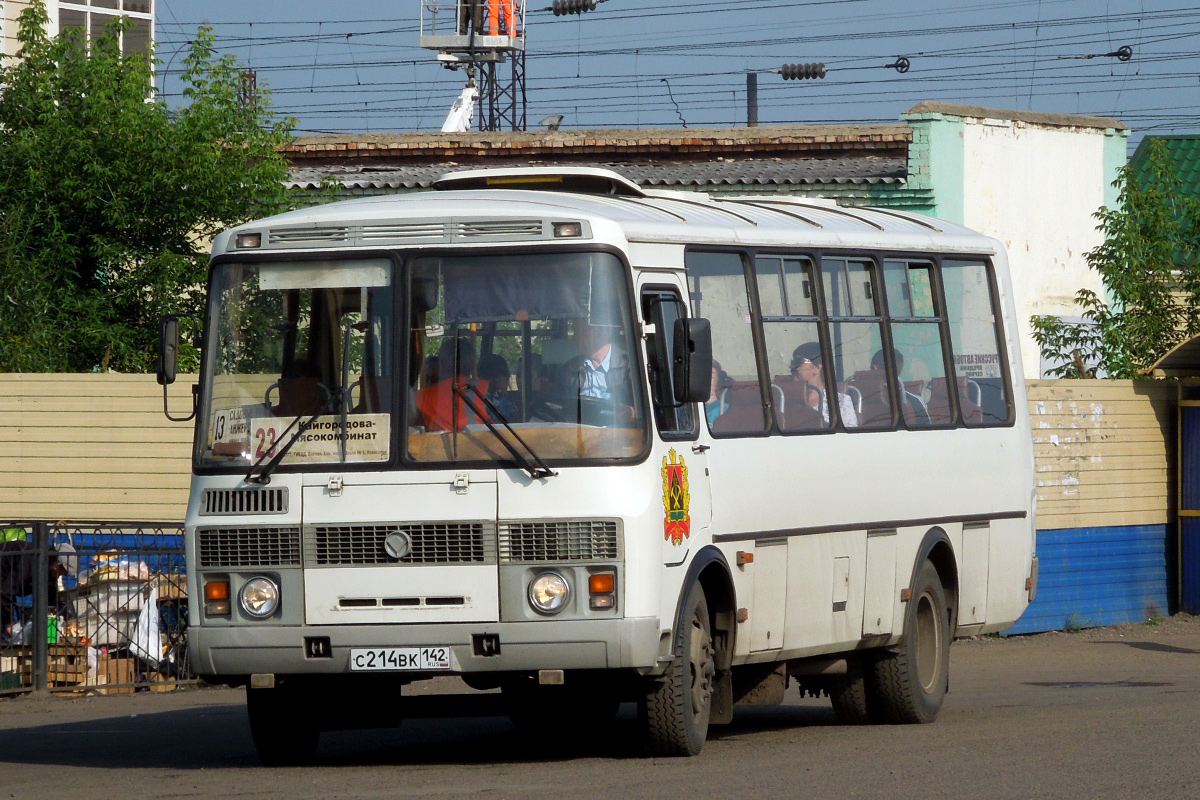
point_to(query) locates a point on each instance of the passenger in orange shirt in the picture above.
(439, 407)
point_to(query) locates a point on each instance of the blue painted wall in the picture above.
(1098, 576)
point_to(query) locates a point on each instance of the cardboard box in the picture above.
(66, 664)
(118, 675)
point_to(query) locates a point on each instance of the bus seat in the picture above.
(916, 415)
(743, 409)
(797, 415)
(939, 403)
(297, 396)
(372, 395)
(918, 388)
(876, 408)
(856, 398)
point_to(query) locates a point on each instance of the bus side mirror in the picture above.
(692, 360)
(168, 349)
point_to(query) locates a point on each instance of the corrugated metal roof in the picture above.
(714, 173)
(1185, 155)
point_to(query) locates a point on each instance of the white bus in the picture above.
(588, 444)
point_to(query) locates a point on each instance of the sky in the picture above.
(357, 67)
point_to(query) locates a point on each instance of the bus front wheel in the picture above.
(676, 709)
(911, 682)
(283, 735)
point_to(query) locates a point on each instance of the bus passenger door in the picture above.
(687, 504)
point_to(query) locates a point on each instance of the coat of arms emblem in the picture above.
(677, 524)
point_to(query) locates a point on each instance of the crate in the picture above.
(115, 629)
(66, 664)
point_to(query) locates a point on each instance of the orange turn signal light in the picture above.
(602, 583)
(216, 590)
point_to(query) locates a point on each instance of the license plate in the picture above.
(389, 659)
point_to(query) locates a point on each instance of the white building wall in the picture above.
(1036, 189)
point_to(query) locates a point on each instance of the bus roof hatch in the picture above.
(584, 180)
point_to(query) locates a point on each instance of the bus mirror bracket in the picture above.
(692, 359)
(168, 362)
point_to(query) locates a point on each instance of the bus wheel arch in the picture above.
(676, 709)
(937, 550)
(911, 680)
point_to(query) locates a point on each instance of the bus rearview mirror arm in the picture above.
(168, 363)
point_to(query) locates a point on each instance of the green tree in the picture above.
(1150, 265)
(108, 198)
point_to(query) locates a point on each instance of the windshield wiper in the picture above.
(532, 464)
(264, 477)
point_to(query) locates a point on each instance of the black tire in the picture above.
(283, 735)
(676, 709)
(853, 694)
(911, 682)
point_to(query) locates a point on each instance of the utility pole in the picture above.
(752, 99)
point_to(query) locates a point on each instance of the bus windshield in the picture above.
(509, 359)
(309, 340)
(527, 351)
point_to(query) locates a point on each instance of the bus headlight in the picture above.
(549, 593)
(260, 597)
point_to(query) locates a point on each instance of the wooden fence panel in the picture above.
(93, 447)
(1104, 452)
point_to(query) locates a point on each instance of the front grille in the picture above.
(244, 501)
(432, 543)
(560, 540)
(248, 547)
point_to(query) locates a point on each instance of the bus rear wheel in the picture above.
(283, 735)
(911, 682)
(853, 694)
(675, 711)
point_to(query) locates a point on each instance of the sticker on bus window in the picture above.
(366, 438)
(977, 365)
(677, 524)
(230, 434)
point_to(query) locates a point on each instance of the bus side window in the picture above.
(918, 359)
(787, 297)
(718, 291)
(979, 365)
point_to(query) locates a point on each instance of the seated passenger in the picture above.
(493, 370)
(915, 413)
(439, 407)
(806, 368)
(717, 404)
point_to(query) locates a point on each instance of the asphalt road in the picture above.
(1110, 712)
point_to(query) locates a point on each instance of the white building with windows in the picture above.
(90, 15)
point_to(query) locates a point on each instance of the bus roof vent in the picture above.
(498, 229)
(583, 180)
(299, 237)
(422, 230)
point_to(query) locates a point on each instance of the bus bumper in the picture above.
(235, 651)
